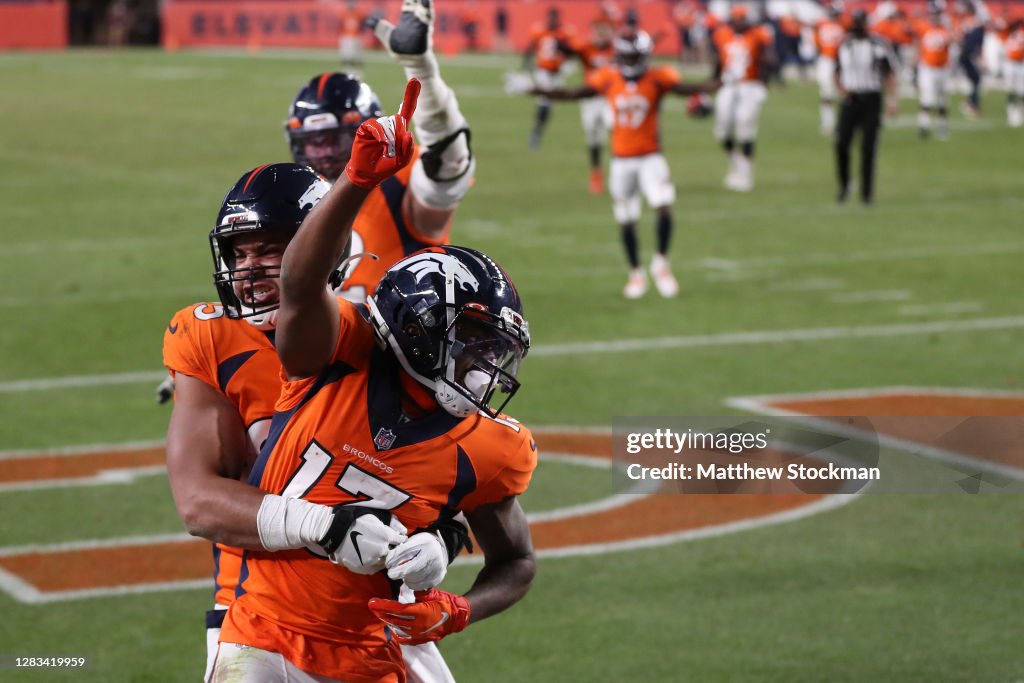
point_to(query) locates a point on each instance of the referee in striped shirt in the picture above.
(865, 63)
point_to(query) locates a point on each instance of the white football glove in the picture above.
(367, 543)
(421, 561)
(517, 83)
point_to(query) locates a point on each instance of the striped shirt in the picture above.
(863, 63)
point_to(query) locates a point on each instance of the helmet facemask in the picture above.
(478, 356)
(632, 54)
(326, 150)
(481, 359)
(247, 293)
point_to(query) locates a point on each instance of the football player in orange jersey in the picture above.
(550, 45)
(744, 58)
(395, 415)
(414, 209)
(222, 360)
(596, 53)
(228, 377)
(350, 43)
(634, 90)
(1014, 69)
(934, 42)
(828, 34)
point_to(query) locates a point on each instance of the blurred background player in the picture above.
(550, 45)
(685, 16)
(350, 40)
(972, 39)
(1014, 68)
(934, 40)
(892, 24)
(744, 57)
(634, 90)
(596, 53)
(413, 209)
(788, 39)
(828, 34)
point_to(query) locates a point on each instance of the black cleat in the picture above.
(412, 34)
(843, 194)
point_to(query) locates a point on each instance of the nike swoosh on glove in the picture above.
(422, 561)
(434, 615)
(384, 146)
(360, 538)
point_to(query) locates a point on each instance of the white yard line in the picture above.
(823, 505)
(76, 381)
(871, 296)
(121, 475)
(779, 336)
(755, 337)
(767, 405)
(950, 308)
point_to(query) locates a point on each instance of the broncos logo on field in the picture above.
(444, 265)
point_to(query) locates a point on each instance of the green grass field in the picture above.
(112, 168)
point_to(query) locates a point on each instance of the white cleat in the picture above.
(636, 286)
(664, 280)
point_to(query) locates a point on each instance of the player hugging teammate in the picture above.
(332, 534)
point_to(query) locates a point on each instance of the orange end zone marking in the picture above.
(111, 567)
(47, 467)
(985, 437)
(170, 564)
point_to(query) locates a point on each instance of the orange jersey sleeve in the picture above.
(503, 454)
(382, 228)
(231, 356)
(595, 56)
(600, 79)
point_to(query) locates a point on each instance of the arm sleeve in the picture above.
(503, 471)
(597, 80)
(668, 78)
(182, 350)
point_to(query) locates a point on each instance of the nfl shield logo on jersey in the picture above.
(385, 439)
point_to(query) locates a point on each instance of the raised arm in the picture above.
(687, 89)
(580, 92)
(307, 327)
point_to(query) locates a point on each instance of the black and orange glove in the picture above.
(383, 146)
(434, 615)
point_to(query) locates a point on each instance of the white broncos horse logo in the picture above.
(445, 266)
(314, 193)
